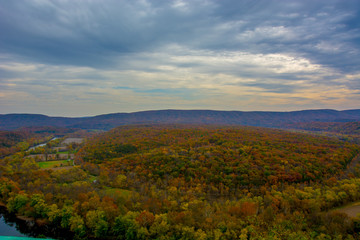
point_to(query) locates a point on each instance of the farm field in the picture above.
(53, 164)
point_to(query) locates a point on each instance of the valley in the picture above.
(188, 181)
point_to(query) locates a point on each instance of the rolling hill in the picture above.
(108, 121)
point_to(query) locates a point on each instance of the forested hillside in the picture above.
(109, 121)
(192, 182)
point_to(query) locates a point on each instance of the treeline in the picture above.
(192, 182)
(351, 128)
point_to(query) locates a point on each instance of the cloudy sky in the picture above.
(83, 58)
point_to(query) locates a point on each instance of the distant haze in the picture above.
(84, 58)
(108, 121)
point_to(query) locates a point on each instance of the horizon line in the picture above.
(170, 109)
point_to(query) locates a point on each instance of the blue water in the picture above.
(9, 230)
(14, 238)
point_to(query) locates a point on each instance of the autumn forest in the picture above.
(166, 181)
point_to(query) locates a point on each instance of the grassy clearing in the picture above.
(52, 164)
(117, 192)
(352, 210)
(92, 178)
(64, 152)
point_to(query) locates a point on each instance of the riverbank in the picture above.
(16, 238)
(24, 218)
(28, 228)
(42, 144)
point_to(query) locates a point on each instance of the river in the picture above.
(41, 145)
(9, 229)
(12, 228)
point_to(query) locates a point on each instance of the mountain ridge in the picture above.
(249, 118)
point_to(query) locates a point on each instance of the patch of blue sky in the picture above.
(186, 93)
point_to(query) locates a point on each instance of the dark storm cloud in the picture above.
(91, 33)
(96, 33)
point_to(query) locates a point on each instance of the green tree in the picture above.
(66, 214)
(77, 225)
(96, 221)
(37, 201)
(17, 202)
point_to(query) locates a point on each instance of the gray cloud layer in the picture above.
(178, 54)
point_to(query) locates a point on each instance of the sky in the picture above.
(91, 57)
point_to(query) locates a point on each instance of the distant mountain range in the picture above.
(108, 121)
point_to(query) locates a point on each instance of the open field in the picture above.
(72, 140)
(117, 192)
(352, 210)
(52, 156)
(53, 164)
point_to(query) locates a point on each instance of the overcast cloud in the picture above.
(81, 58)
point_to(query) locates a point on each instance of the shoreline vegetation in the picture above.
(352, 210)
(31, 227)
(193, 182)
(24, 225)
